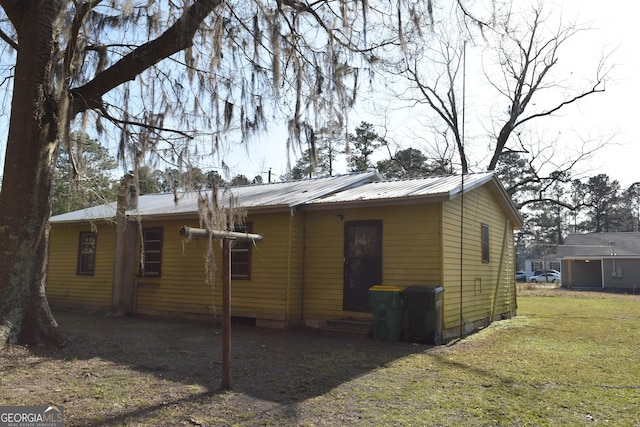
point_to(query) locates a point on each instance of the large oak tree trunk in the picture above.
(38, 114)
(24, 200)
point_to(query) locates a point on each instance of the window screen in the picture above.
(151, 252)
(241, 255)
(485, 243)
(87, 253)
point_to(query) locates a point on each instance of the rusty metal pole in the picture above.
(226, 314)
(226, 237)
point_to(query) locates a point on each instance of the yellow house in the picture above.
(326, 242)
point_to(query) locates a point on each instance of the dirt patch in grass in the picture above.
(141, 371)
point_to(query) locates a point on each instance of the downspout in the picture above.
(463, 163)
(290, 249)
(461, 320)
(500, 272)
(303, 273)
(514, 290)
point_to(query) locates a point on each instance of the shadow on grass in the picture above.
(150, 412)
(484, 376)
(274, 365)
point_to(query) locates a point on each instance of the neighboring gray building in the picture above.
(601, 261)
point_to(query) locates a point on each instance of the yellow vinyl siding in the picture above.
(410, 253)
(182, 288)
(297, 270)
(264, 296)
(64, 286)
(479, 279)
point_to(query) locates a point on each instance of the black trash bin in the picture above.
(424, 306)
(387, 312)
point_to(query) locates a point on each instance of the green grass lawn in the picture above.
(566, 359)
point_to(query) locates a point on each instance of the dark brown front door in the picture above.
(362, 263)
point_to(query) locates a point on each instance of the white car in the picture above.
(550, 276)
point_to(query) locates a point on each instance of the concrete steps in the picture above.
(349, 326)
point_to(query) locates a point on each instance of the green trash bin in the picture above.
(388, 312)
(424, 306)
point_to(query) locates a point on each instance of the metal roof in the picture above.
(90, 214)
(283, 195)
(440, 187)
(425, 189)
(318, 193)
(600, 245)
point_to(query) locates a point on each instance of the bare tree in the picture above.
(163, 77)
(527, 58)
(440, 90)
(521, 64)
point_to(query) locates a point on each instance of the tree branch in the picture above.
(550, 200)
(4, 36)
(13, 9)
(72, 45)
(594, 89)
(105, 114)
(177, 38)
(472, 17)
